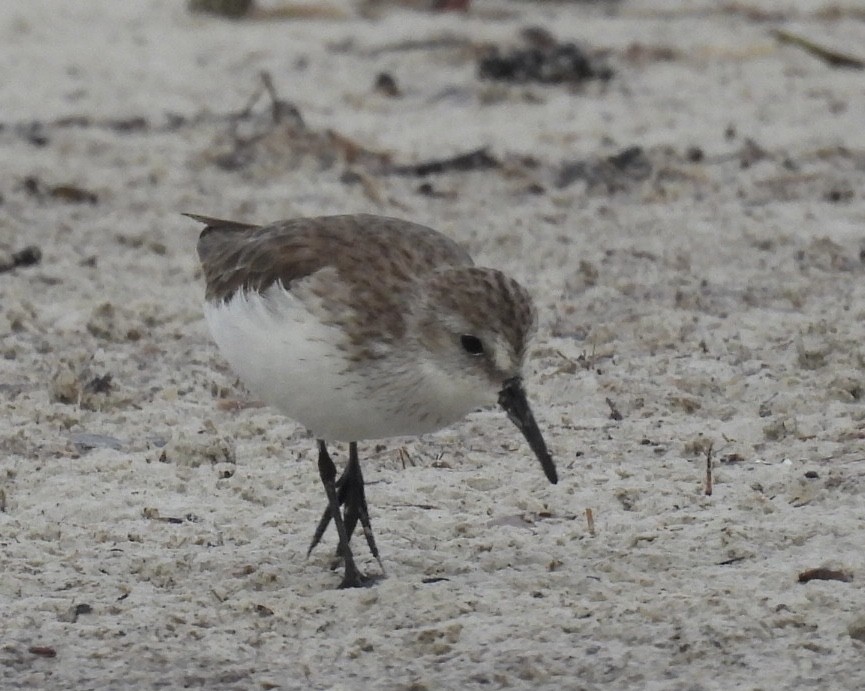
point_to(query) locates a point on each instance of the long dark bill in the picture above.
(512, 398)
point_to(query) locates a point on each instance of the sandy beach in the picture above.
(679, 186)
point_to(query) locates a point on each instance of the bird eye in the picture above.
(472, 345)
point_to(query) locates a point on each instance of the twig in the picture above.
(38, 131)
(404, 456)
(709, 471)
(479, 159)
(590, 522)
(267, 80)
(831, 57)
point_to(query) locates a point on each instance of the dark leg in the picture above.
(355, 502)
(327, 471)
(351, 493)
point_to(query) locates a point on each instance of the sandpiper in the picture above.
(365, 327)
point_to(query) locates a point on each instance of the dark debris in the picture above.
(613, 173)
(70, 193)
(824, 574)
(231, 9)
(543, 62)
(479, 159)
(28, 256)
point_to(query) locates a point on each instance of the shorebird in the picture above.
(365, 327)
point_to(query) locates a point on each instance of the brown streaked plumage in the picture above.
(239, 255)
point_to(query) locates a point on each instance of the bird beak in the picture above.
(512, 398)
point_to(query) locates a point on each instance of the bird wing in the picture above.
(378, 259)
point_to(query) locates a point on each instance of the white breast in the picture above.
(294, 362)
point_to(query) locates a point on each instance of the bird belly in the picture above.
(289, 358)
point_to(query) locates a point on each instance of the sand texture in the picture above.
(688, 209)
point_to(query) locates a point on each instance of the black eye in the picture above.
(472, 345)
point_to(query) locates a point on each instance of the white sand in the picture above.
(711, 304)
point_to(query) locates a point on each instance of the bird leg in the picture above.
(327, 471)
(349, 492)
(353, 495)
